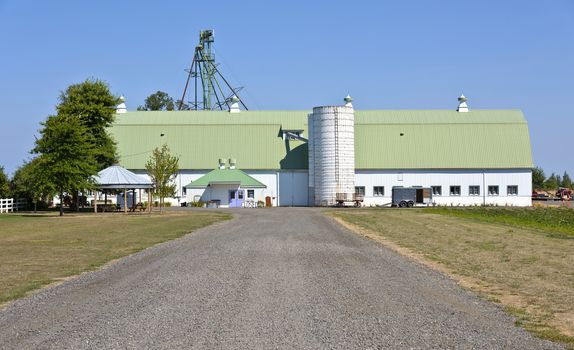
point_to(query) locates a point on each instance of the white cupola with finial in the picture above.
(121, 108)
(462, 106)
(234, 108)
(348, 101)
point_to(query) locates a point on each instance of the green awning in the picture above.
(226, 177)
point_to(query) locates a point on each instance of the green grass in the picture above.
(36, 250)
(558, 222)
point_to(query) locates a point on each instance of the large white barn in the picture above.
(303, 158)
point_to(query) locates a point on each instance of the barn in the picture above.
(307, 157)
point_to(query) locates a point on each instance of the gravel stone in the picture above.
(281, 278)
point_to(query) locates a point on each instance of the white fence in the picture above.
(6, 205)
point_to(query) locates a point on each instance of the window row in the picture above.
(475, 190)
(379, 191)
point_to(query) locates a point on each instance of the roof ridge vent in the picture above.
(462, 106)
(234, 108)
(348, 101)
(121, 108)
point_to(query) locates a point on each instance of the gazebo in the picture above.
(119, 178)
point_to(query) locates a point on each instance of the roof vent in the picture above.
(221, 163)
(234, 108)
(348, 101)
(121, 108)
(462, 106)
(232, 163)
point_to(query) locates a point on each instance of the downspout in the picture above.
(277, 187)
(483, 187)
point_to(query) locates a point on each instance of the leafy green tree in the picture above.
(538, 178)
(566, 181)
(4, 184)
(162, 168)
(30, 181)
(94, 104)
(158, 101)
(67, 154)
(552, 182)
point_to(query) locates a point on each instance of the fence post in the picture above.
(6, 205)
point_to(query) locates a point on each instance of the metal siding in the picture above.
(199, 147)
(433, 139)
(430, 146)
(293, 188)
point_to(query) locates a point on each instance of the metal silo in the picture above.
(333, 153)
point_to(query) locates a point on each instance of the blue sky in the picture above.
(407, 54)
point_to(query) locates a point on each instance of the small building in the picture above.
(226, 186)
(304, 158)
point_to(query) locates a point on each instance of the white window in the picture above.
(436, 190)
(379, 191)
(455, 190)
(400, 176)
(512, 190)
(493, 190)
(360, 190)
(474, 190)
(251, 194)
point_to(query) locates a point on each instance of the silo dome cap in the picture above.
(235, 99)
(348, 98)
(462, 98)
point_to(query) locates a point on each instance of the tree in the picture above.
(31, 182)
(182, 106)
(4, 184)
(566, 181)
(162, 168)
(94, 104)
(67, 154)
(552, 183)
(158, 101)
(538, 178)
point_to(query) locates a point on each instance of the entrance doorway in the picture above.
(236, 198)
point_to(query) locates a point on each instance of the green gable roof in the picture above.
(226, 177)
(432, 139)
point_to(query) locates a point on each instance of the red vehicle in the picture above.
(564, 194)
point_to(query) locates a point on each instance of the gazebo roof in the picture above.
(116, 177)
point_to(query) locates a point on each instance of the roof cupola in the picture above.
(462, 106)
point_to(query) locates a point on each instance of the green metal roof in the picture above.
(226, 177)
(432, 139)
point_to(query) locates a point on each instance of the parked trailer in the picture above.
(410, 196)
(346, 199)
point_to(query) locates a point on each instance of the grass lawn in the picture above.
(521, 258)
(36, 250)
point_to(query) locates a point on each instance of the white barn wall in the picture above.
(447, 178)
(290, 188)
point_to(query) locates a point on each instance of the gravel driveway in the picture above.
(269, 279)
